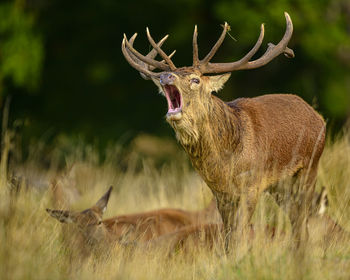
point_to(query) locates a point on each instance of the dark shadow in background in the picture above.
(89, 90)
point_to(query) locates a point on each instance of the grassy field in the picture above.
(31, 245)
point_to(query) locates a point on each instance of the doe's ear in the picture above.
(61, 215)
(101, 205)
(217, 82)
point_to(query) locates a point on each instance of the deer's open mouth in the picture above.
(174, 99)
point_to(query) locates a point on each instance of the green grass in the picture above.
(31, 245)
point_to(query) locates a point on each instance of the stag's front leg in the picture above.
(228, 210)
(236, 213)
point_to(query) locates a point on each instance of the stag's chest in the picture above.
(224, 168)
(216, 169)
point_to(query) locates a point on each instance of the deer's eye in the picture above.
(195, 80)
(99, 222)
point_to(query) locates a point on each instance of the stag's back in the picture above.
(281, 130)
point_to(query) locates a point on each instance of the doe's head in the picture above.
(88, 222)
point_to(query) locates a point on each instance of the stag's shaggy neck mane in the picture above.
(211, 140)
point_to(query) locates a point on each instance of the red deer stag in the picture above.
(243, 147)
(89, 231)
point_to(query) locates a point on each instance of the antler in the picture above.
(146, 64)
(244, 63)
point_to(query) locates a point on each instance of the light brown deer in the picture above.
(90, 231)
(246, 146)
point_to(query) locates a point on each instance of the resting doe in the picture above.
(90, 231)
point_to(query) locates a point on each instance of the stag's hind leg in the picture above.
(295, 196)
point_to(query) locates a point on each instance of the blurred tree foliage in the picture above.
(321, 41)
(21, 48)
(85, 86)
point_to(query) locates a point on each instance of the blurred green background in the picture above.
(61, 63)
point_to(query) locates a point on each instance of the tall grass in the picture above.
(31, 245)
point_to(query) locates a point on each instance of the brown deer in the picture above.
(90, 231)
(211, 235)
(243, 147)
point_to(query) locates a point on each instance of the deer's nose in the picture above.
(166, 78)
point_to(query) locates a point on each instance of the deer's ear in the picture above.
(101, 205)
(63, 216)
(217, 82)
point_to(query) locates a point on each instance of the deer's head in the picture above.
(88, 223)
(188, 90)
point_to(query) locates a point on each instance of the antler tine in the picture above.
(145, 59)
(152, 54)
(256, 47)
(271, 52)
(135, 59)
(138, 61)
(163, 61)
(160, 51)
(287, 52)
(146, 73)
(219, 67)
(216, 46)
(195, 48)
(131, 41)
